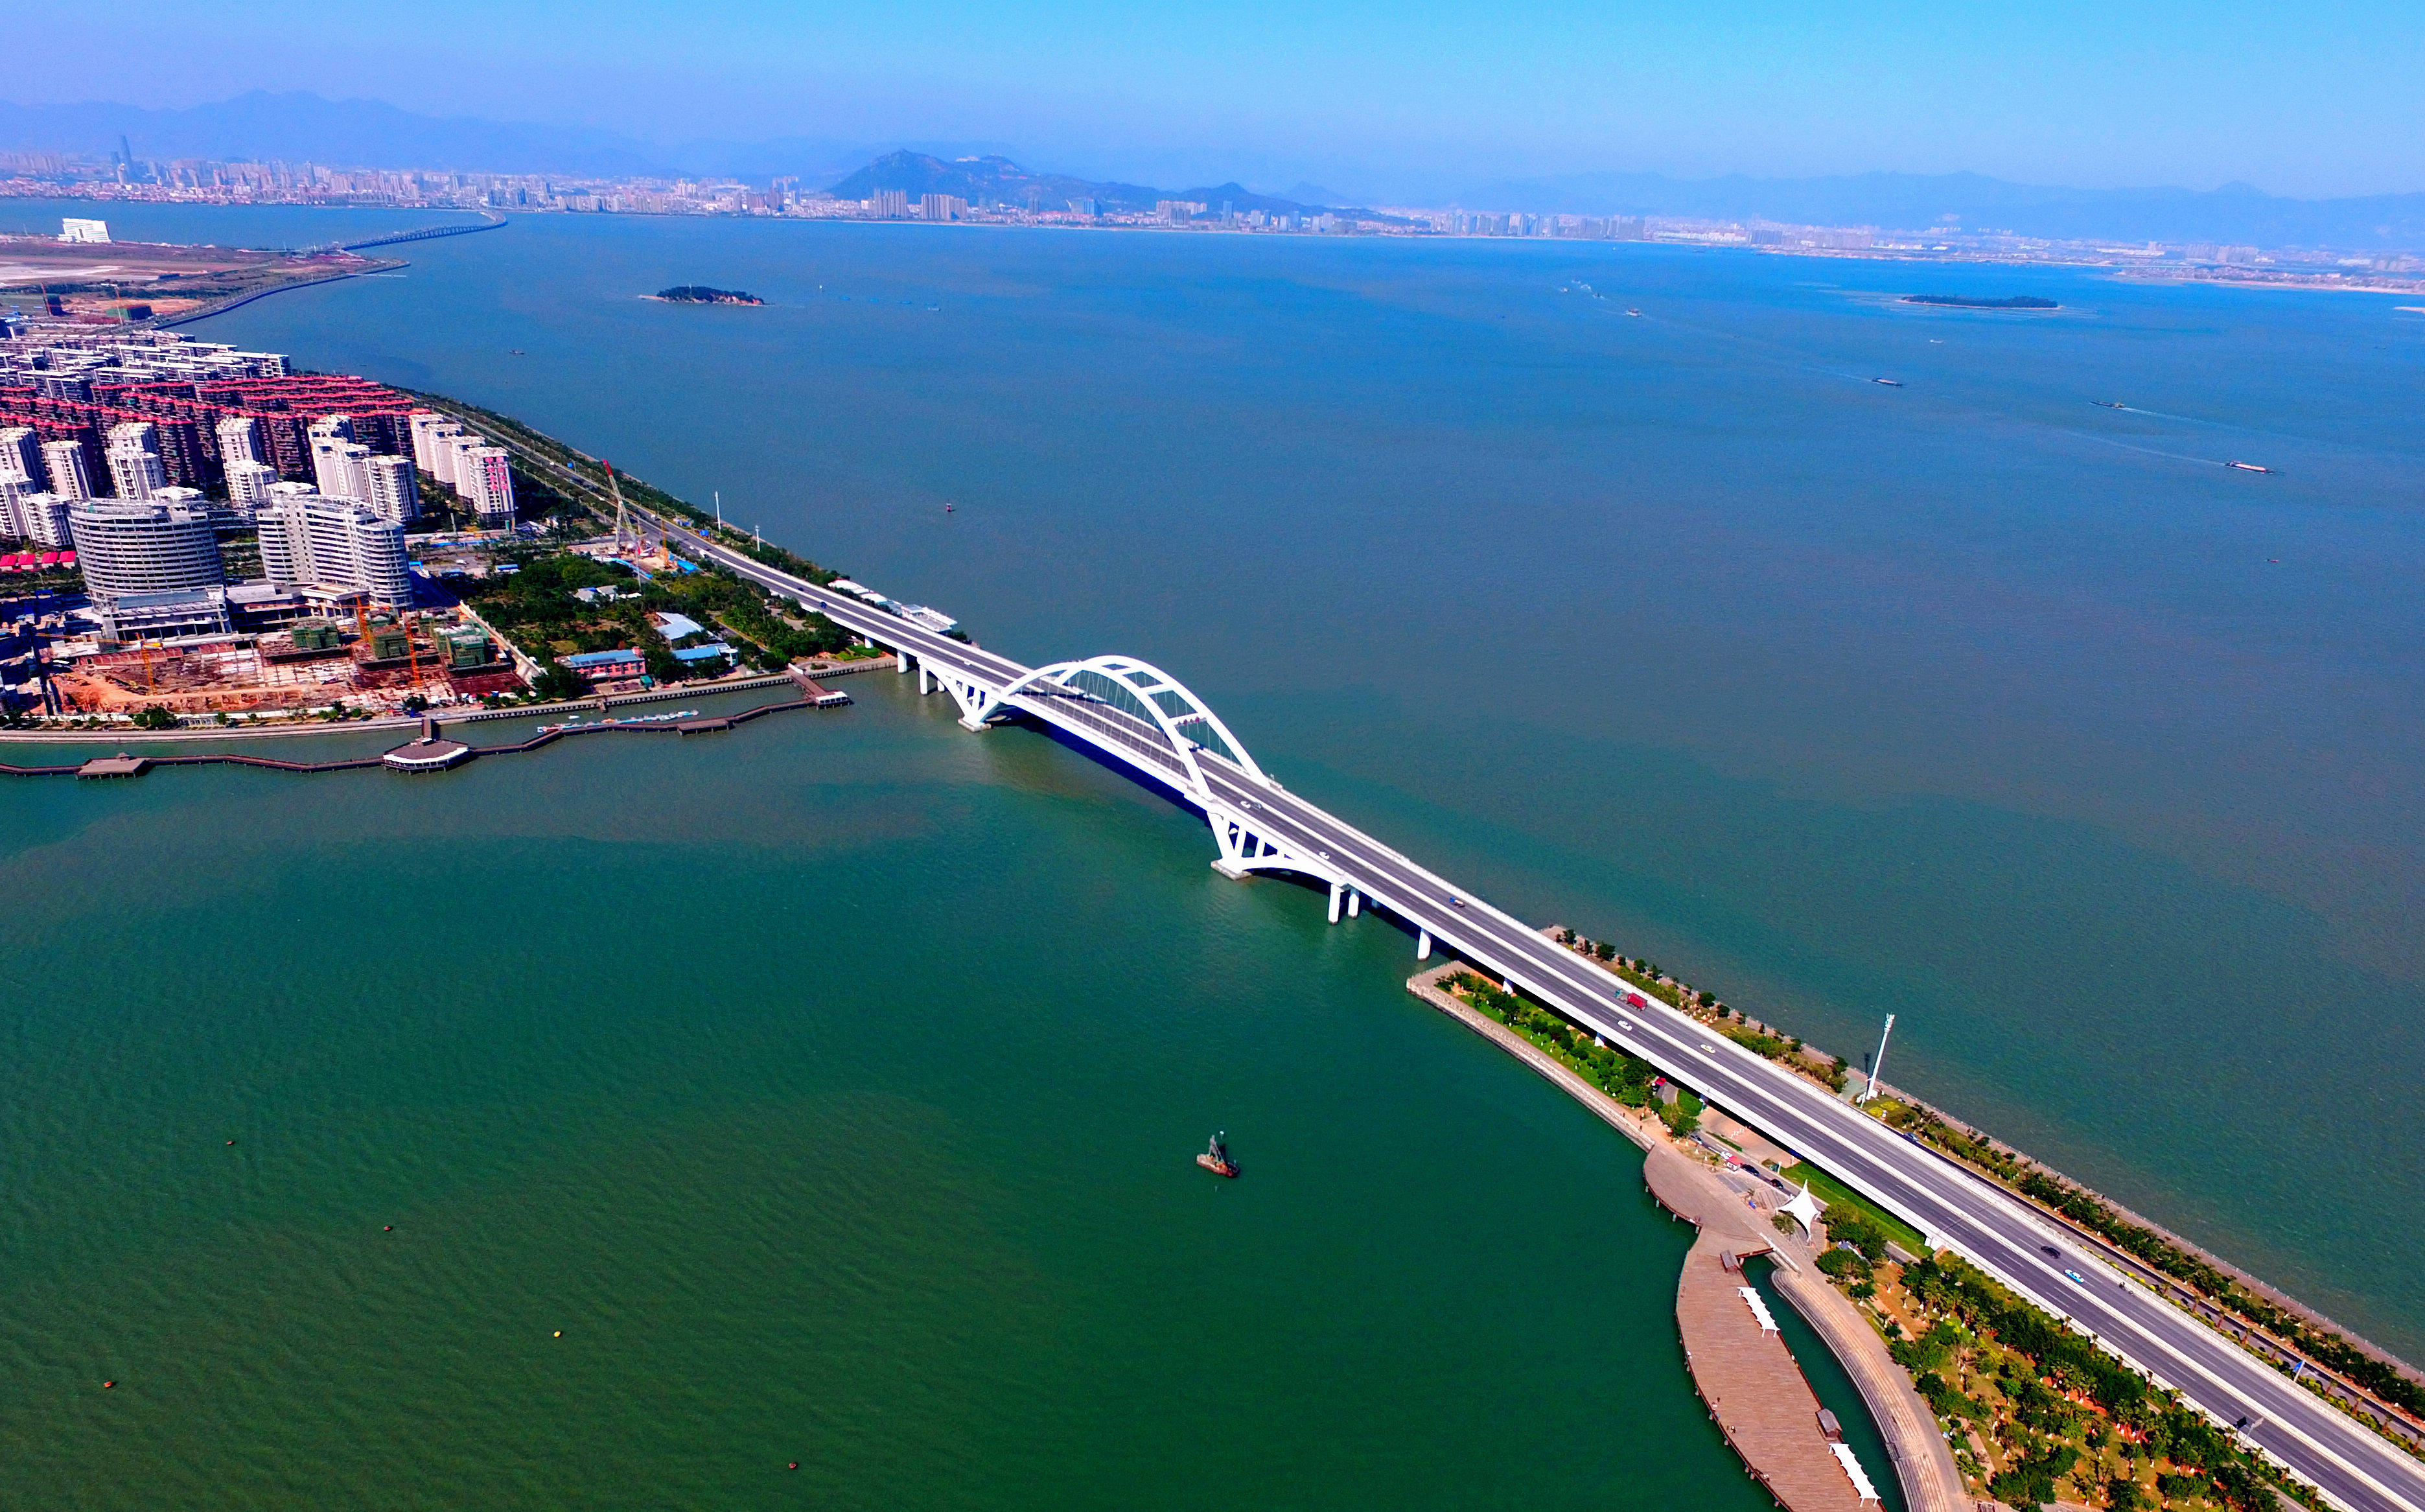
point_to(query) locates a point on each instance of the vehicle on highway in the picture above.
(2077, 1277)
(2051, 1251)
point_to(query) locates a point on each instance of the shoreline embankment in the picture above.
(1755, 1393)
(305, 729)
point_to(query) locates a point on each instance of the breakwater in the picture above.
(131, 766)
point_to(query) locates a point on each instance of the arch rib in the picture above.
(1146, 684)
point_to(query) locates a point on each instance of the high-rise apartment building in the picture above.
(63, 459)
(336, 456)
(135, 466)
(334, 543)
(247, 486)
(485, 478)
(152, 569)
(889, 204)
(430, 430)
(20, 458)
(941, 207)
(391, 488)
(43, 517)
(240, 441)
(440, 436)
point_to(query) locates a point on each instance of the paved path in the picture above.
(1757, 1394)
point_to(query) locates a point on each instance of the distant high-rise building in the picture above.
(240, 441)
(247, 486)
(334, 543)
(1083, 207)
(63, 459)
(44, 517)
(135, 466)
(334, 467)
(433, 442)
(20, 458)
(889, 204)
(941, 207)
(485, 478)
(391, 488)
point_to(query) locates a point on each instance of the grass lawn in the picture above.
(1832, 1191)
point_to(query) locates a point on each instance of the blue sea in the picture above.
(2093, 761)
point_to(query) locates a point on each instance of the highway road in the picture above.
(1955, 1209)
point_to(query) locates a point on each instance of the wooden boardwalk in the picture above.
(1754, 1391)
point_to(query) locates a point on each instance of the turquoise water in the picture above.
(832, 1086)
(2022, 719)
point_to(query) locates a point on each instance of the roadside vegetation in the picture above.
(2036, 1411)
(538, 607)
(2047, 1188)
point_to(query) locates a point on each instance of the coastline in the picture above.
(1774, 1438)
(472, 714)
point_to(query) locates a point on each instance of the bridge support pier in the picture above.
(901, 662)
(927, 683)
(1355, 902)
(1337, 889)
(1423, 944)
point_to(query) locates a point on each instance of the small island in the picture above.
(701, 294)
(1966, 301)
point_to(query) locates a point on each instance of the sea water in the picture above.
(2023, 718)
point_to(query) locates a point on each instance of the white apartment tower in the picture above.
(239, 440)
(485, 478)
(135, 466)
(432, 435)
(64, 461)
(391, 488)
(334, 543)
(247, 486)
(20, 458)
(29, 514)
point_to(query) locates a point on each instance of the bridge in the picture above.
(1154, 725)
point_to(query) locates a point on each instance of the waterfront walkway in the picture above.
(1755, 1393)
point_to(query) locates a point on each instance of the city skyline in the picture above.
(2083, 95)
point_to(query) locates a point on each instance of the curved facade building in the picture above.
(152, 569)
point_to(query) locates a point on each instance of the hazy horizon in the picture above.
(2086, 97)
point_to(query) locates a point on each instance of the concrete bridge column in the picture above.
(925, 680)
(1355, 902)
(1335, 890)
(901, 662)
(1423, 944)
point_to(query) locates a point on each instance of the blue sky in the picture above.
(2308, 100)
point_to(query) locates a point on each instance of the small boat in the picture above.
(2108, 404)
(2248, 466)
(1892, 383)
(1216, 1158)
(1635, 314)
(947, 508)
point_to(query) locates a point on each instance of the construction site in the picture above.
(376, 663)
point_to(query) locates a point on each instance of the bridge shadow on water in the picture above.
(1139, 777)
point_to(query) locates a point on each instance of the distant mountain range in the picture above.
(2236, 213)
(993, 177)
(299, 127)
